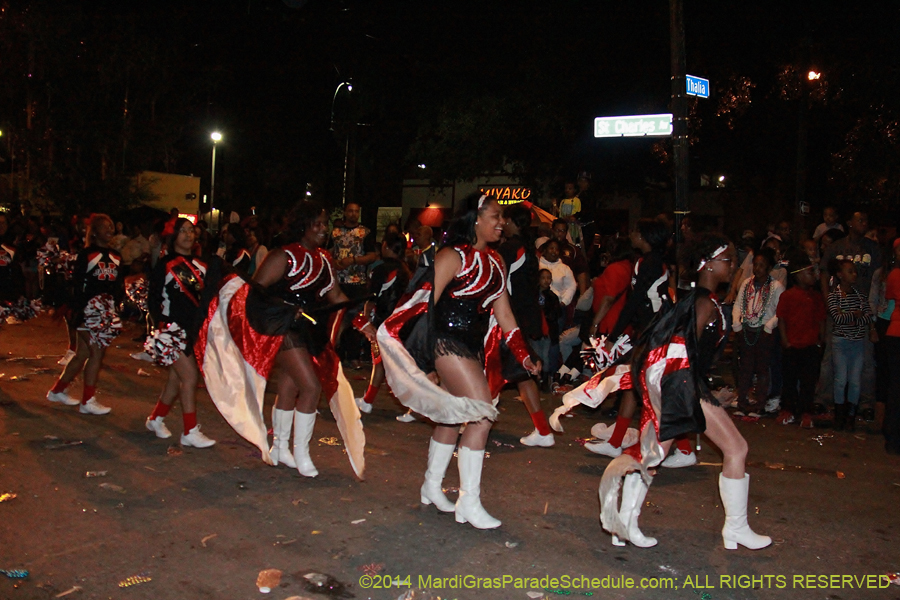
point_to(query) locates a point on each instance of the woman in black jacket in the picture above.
(98, 288)
(180, 287)
(522, 283)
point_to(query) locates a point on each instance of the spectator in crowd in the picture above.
(891, 353)
(866, 256)
(548, 344)
(544, 233)
(590, 206)
(353, 249)
(830, 217)
(801, 323)
(825, 385)
(255, 248)
(575, 259)
(855, 247)
(853, 323)
(136, 247)
(783, 231)
(611, 288)
(883, 307)
(811, 250)
(778, 273)
(118, 241)
(423, 242)
(233, 249)
(563, 284)
(754, 323)
(571, 255)
(568, 208)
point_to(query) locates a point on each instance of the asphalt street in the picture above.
(164, 522)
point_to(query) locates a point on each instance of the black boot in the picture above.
(840, 416)
(851, 417)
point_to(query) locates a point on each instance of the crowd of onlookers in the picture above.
(816, 339)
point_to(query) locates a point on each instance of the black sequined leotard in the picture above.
(309, 276)
(462, 314)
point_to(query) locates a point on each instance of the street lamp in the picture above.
(216, 138)
(346, 139)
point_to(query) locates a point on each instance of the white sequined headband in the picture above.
(718, 252)
(481, 201)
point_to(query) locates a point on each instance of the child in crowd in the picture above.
(778, 272)
(563, 285)
(548, 345)
(754, 323)
(830, 216)
(801, 323)
(568, 208)
(853, 321)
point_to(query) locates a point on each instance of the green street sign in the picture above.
(633, 126)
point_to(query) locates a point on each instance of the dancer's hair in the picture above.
(302, 215)
(170, 243)
(93, 223)
(237, 232)
(654, 233)
(521, 218)
(396, 243)
(620, 248)
(701, 249)
(462, 227)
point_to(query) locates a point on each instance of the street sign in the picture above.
(697, 86)
(633, 126)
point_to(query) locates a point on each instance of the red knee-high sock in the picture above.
(618, 435)
(190, 421)
(160, 410)
(540, 422)
(683, 444)
(88, 393)
(371, 392)
(59, 386)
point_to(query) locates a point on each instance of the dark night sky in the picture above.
(267, 71)
(604, 57)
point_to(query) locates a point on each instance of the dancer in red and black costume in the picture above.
(98, 288)
(458, 343)
(181, 287)
(301, 274)
(521, 260)
(235, 253)
(388, 282)
(669, 369)
(649, 295)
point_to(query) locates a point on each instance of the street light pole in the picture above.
(679, 111)
(216, 138)
(346, 140)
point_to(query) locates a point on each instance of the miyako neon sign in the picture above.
(507, 194)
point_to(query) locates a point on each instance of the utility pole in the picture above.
(679, 114)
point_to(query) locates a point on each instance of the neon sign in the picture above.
(508, 194)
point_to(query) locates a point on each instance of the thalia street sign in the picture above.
(633, 126)
(697, 86)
